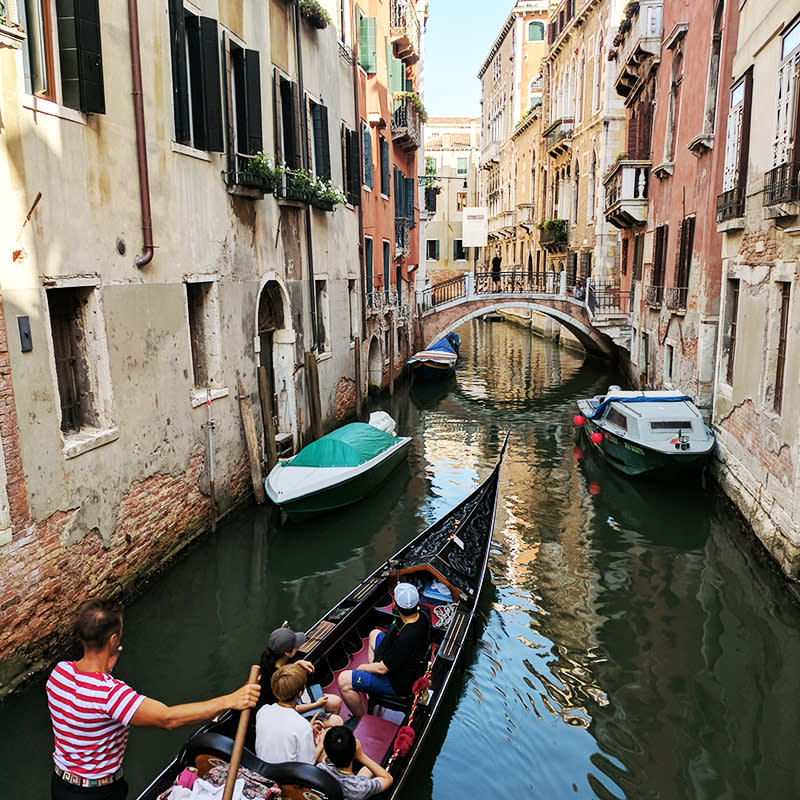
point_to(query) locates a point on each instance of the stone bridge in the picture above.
(599, 323)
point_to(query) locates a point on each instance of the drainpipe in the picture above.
(141, 145)
(357, 112)
(312, 297)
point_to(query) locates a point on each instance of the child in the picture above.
(342, 748)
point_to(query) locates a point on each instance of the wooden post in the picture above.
(246, 408)
(391, 356)
(312, 387)
(359, 390)
(238, 742)
(420, 330)
(267, 417)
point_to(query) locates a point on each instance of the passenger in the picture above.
(282, 734)
(91, 711)
(394, 657)
(341, 748)
(282, 646)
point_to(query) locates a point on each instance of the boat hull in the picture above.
(342, 492)
(430, 371)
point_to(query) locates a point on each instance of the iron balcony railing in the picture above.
(730, 205)
(402, 228)
(375, 301)
(553, 235)
(654, 295)
(605, 298)
(405, 30)
(676, 297)
(780, 184)
(406, 124)
(558, 136)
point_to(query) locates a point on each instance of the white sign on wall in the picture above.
(475, 227)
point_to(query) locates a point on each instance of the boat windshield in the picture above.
(670, 425)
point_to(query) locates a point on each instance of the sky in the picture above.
(458, 38)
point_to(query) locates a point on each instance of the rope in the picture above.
(404, 740)
(444, 614)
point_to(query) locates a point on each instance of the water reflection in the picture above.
(632, 642)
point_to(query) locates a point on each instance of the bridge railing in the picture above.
(606, 298)
(444, 292)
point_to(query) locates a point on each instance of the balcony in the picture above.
(781, 191)
(558, 137)
(490, 155)
(404, 33)
(626, 193)
(639, 40)
(654, 295)
(406, 123)
(553, 235)
(675, 297)
(402, 228)
(730, 205)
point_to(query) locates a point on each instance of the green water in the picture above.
(631, 642)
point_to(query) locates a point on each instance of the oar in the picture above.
(238, 742)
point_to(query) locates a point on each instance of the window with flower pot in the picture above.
(287, 121)
(62, 53)
(197, 100)
(243, 103)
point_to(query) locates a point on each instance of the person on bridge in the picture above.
(578, 292)
(92, 712)
(496, 270)
(394, 656)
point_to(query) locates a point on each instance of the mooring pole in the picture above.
(210, 426)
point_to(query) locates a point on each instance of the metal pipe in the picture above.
(141, 144)
(210, 427)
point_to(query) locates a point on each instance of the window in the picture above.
(780, 363)
(387, 262)
(462, 166)
(496, 68)
(287, 121)
(535, 32)
(659, 260)
(592, 200)
(432, 249)
(366, 144)
(737, 144)
(733, 305)
(62, 54)
(638, 256)
(712, 88)
(786, 121)
(369, 283)
(343, 20)
(351, 165)
(461, 201)
(535, 91)
(599, 57)
(323, 313)
(674, 103)
(319, 156)
(197, 101)
(81, 359)
(576, 191)
(244, 102)
(367, 55)
(459, 253)
(684, 259)
(386, 180)
(669, 362)
(204, 332)
(352, 302)
(616, 417)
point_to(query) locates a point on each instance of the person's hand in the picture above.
(359, 751)
(306, 665)
(321, 703)
(246, 697)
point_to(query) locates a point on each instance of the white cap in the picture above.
(406, 596)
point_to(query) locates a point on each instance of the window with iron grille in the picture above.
(780, 364)
(73, 41)
(733, 303)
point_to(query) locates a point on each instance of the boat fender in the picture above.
(579, 419)
(404, 740)
(596, 437)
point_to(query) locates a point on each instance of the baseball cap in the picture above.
(406, 596)
(282, 640)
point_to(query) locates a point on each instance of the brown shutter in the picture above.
(277, 115)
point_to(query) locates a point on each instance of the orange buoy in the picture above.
(596, 437)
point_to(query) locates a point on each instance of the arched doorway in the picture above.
(374, 365)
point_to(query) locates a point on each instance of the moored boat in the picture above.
(437, 361)
(658, 433)
(338, 469)
(447, 562)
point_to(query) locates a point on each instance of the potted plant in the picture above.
(261, 168)
(325, 196)
(415, 101)
(314, 13)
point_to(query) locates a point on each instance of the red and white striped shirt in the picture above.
(91, 712)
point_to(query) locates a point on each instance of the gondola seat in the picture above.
(295, 780)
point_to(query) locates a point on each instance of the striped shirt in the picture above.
(91, 712)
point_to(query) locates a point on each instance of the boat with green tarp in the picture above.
(336, 470)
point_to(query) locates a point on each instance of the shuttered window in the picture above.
(320, 152)
(367, 55)
(459, 253)
(685, 247)
(432, 249)
(350, 165)
(659, 255)
(244, 103)
(366, 145)
(780, 364)
(287, 122)
(733, 301)
(410, 191)
(197, 101)
(368, 277)
(386, 182)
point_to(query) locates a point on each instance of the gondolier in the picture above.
(91, 711)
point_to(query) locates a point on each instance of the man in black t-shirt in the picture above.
(394, 656)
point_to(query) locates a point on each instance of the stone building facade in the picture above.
(150, 267)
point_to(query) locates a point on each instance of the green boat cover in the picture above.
(347, 446)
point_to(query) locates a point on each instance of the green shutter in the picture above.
(436, 250)
(322, 153)
(367, 53)
(353, 168)
(398, 76)
(366, 140)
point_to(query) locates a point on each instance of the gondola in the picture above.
(447, 561)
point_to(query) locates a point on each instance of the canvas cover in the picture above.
(348, 446)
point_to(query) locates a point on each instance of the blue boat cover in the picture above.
(347, 446)
(676, 399)
(442, 344)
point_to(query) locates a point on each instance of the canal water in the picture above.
(631, 641)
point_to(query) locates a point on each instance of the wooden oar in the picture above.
(238, 742)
